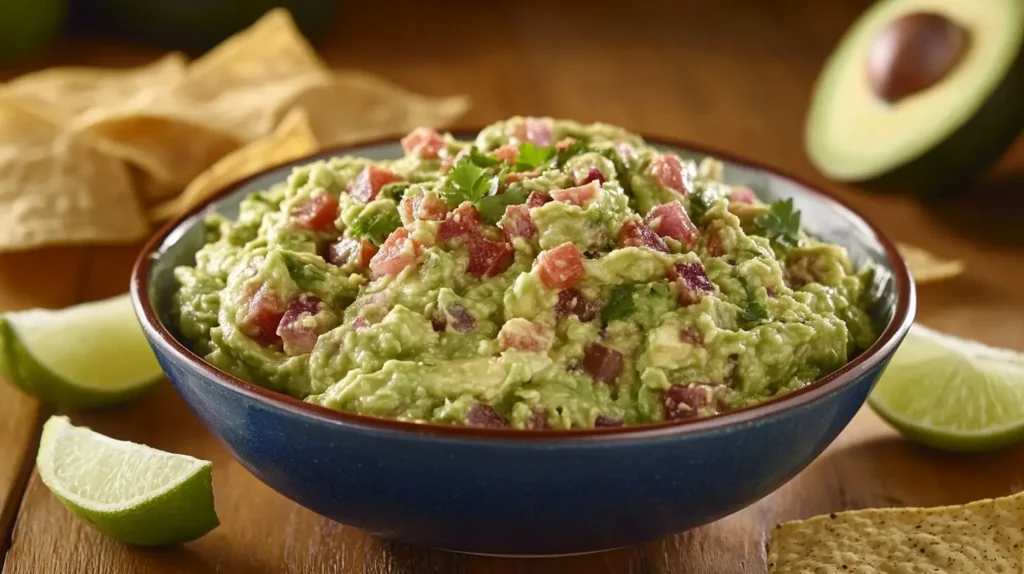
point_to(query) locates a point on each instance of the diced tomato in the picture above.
(483, 415)
(297, 337)
(534, 130)
(517, 223)
(561, 267)
(714, 245)
(463, 223)
(667, 170)
(263, 313)
(578, 195)
(692, 337)
(523, 335)
(670, 220)
(681, 402)
(592, 174)
(488, 258)
(426, 206)
(424, 143)
(365, 187)
(742, 194)
(573, 302)
(693, 282)
(565, 143)
(602, 363)
(360, 323)
(507, 152)
(626, 150)
(317, 214)
(537, 199)
(636, 234)
(357, 252)
(398, 252)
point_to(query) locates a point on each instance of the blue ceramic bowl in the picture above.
(501, 491)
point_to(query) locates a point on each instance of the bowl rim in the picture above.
(839, 379)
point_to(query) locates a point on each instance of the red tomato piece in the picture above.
(357, 252)
(365, 187)
(578, 195)
(561, 267)
(263, 313)
(742, 194)
(464, 223)
(671, 220)
(317, 214)
(668, 172)
(297, 337)
(507, 152)
(398, 252)
(424, 143)
(636, 234)
(517, 223)
(488, 258)
(537, 199)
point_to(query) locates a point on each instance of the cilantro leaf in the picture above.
(620, 305)
(376, 227)
(492, 207)
(781, 224)
(531, 156)
(466, 181)
(395, 191)
(754, 312)
(482, 159)
(698, 205)
(575, 148)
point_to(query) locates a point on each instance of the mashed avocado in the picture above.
(547, 275)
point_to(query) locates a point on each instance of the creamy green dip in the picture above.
(547, 275)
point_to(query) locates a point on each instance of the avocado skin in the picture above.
(194, 26)
(963, 156)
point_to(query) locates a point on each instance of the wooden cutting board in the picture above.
(739, 79)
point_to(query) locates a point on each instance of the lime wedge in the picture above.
(87, 355)
(951, 393)
(131, 492)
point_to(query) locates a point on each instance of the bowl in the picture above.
(508, 492)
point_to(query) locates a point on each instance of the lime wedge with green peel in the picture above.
(951, 393)
(131, 492)
(91, 354)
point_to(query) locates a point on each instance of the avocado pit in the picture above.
(913, 53)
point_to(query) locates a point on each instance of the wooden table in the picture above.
(736, 75)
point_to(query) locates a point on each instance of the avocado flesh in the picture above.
(939, 138)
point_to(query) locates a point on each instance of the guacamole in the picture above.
(548, 275)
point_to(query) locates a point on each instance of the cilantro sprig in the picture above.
(781, 224)
(492, 207)
(533, 156)
(376, 227)
(620, 305)
(466, 181)
(482, 159)
(754, 312)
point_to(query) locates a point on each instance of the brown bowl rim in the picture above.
(883, 347)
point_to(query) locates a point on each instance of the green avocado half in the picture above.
(920, 95)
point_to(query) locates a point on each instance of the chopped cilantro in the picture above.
(531, 156)
(754, 312)
(376, 227)
(698, 205)
(563, 155)
(466, 181)
(492, 207)
(482, 159)
(395, 191)
(620, 305)
(303, 272)
(781, 224)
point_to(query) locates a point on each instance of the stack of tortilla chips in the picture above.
(98, 155)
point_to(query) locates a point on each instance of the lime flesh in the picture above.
(91, 354)
(131, 492)
(951, 393)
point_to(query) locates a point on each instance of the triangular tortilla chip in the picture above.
(77, 89)
(927, 267)
(354, 106)
(292, 139)
(56, 187)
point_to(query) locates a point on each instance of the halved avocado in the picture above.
(920, 95)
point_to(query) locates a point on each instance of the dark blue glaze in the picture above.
(489, 493)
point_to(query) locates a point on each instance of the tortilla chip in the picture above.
(77, 89)
(56, 187)
(927, 267)
(292, 139)
(169, 149)
(983, 536)
(354, 106)
(270, 51)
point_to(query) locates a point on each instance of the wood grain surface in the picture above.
(735, 75)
